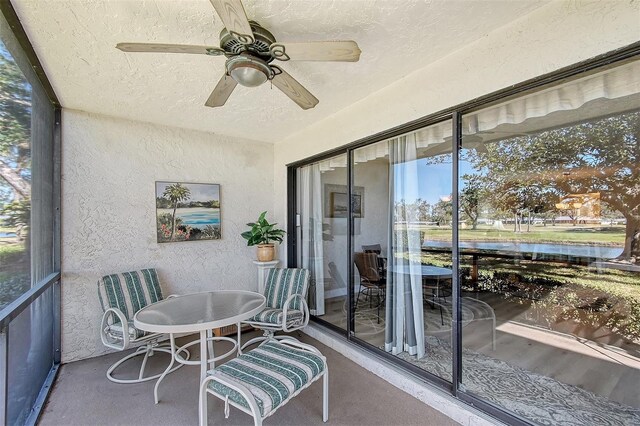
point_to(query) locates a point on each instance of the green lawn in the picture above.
(609, 235)
(14, 271)
(560, 290)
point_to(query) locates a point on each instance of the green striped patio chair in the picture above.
(286, 309)
(121, 296)
(262, 380)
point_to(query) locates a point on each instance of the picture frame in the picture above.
(187, 211)
(335, 201)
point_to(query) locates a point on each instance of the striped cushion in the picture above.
(274, 316)
(129, 291)
(115, 330)
(282, 283)
(272, 372)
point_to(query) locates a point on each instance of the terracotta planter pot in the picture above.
(266, 252)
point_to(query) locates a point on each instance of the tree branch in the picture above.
(16, 181)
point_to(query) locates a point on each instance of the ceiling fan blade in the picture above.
(234, 18)
(170, 48)
(343, 51)
(294, 90)
(222, 92)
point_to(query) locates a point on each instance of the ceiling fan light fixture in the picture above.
(248, 71)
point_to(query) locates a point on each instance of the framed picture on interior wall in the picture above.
(187, 211)
(335, 201)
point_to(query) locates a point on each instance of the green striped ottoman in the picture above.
(264, 379)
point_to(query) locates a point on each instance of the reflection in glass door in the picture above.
(322, 235)
(550, 251)
(402, 228)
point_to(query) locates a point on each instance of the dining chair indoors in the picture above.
(372, 283)
(286, 309)
(377, 249)
(121, 296)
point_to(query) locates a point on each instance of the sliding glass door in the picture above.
(519, 286)
(321, 226)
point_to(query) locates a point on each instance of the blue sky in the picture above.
(199, 191)
(434, 181)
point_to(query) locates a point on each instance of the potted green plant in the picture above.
(263, 234)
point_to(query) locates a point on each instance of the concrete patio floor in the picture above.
(83, 396)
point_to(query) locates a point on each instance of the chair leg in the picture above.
(325, 396)
(202, 406)
(493, 334)
(441, 300)
(379, 303)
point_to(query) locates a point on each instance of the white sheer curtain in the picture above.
(311, 224)
(404, 327)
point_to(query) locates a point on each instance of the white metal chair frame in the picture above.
(270, 329)
(253, 409)
(150, 345)
(491, 317)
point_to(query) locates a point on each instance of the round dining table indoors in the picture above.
(199, 312)
(432, 276)
(425, 271)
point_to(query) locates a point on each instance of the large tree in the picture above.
(470, 196)
(442, 212)
(599, 156)
(175, 193)
(15, 127)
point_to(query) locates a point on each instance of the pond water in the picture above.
(199, 217)
(577, 250)
(7, 234)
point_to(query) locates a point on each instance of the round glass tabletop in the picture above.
(199, 311)
(426, 271)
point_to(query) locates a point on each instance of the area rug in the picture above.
(367, 322)
(533, 396)
(366, 318)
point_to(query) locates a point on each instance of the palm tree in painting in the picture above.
(175, 193)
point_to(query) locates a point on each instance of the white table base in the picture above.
(207, 359)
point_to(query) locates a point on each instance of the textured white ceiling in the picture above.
(75, 41)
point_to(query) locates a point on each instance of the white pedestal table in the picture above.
(199, 312)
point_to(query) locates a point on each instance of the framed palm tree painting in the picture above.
(187, 211)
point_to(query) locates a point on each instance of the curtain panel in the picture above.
(312, 243)
(404, 326)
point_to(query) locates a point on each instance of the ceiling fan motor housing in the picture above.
(262, 40)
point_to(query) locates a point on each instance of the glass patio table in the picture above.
(199, 312)
(431, 277)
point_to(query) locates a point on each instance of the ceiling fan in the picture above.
(250, 49)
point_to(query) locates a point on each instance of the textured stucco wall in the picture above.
(556, 35)
(108, 221)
